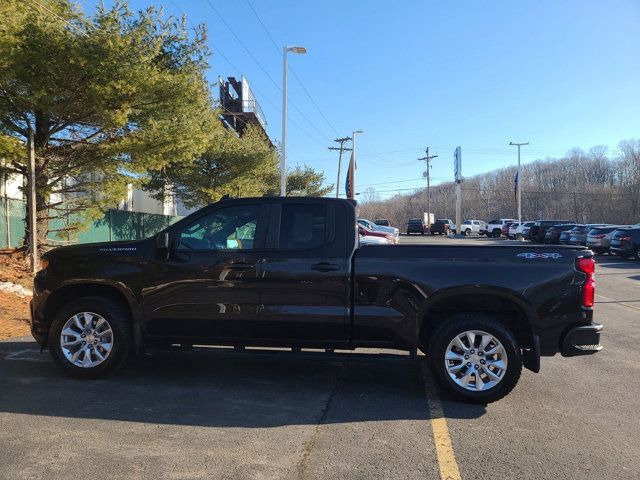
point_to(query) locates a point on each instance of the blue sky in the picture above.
(558, 74)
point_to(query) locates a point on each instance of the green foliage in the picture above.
(109, 97)
(301, 181)
(230, 165)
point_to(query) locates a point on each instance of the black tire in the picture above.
(458, 324)
(467, 232)
(119, 320)
(496, 234)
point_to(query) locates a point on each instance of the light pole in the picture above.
(519, 184)
(283, 153)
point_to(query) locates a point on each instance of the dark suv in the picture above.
(440, 226)
(625, 242)
(416, 226)
(552, 234)
(539, 228)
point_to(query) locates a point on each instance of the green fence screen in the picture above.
(115, 225)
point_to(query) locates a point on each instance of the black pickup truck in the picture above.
(289, 272)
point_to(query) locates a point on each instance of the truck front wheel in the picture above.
(475, 358)
(91, 337)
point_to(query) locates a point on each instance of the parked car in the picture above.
(539, 228)
(552, 234)
(469, 227)
(625, 242)
(516, 230)
(298, 279)
(383, 222)
(451, 223)
(439, 226)
(416, 225)
(564, 237)
(380, 228)
(505, 229)
(524, 230)
(598, 238)
(578, 234)
(371, 240)
(494, 227)
(366, 232)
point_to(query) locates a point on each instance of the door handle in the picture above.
(240, 266)
(325, 267)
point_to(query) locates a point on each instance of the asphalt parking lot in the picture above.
(216, 413)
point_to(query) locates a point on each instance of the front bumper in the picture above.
(582, 340)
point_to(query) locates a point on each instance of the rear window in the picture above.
(621, 233)
(596, 231)
(415, 222)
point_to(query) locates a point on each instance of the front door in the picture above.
(208, 287)
(305, 276)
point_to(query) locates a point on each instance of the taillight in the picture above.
(600, 235)
(625, 239)
(588, 267)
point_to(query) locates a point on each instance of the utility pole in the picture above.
(33, 226)
(519, 184)
(341, 149)
(427, 159)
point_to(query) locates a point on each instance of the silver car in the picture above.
(598, 238)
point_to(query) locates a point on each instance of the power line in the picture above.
(74, 27)
(295, 75)
(253, 87)
(257, 62)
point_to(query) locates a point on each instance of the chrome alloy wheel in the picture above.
(86, 339)
(476, 360)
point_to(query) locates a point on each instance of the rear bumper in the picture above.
(582, 340)
(623, 252)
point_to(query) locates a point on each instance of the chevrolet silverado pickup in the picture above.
(289, 272)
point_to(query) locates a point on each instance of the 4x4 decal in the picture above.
(535, 255)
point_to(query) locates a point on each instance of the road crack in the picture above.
(310, 444)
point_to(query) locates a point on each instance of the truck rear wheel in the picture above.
(475, 358)
(91, 337)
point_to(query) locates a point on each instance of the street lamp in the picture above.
(519, 185)
(283, 153)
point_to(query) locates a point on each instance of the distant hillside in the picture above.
(588, 187)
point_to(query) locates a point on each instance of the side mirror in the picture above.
(162, 244)
(162, 240)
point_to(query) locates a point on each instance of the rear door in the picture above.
(305, 274)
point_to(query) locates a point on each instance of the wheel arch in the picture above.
(503, 304)
(72, 291)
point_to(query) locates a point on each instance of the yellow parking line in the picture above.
(444, 448)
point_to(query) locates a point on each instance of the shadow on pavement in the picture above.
(222, 388)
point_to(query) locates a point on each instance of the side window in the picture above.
(303, 227)
(230, 228)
